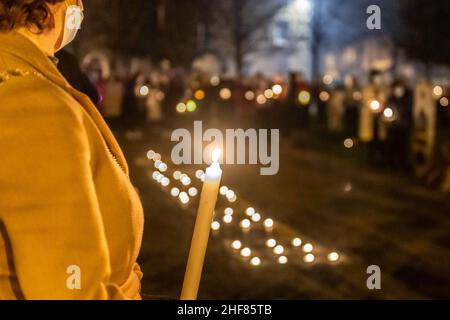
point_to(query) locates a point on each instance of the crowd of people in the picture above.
(379, 112)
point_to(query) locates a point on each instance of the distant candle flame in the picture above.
(216, 155)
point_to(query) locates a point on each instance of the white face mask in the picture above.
(73, 19)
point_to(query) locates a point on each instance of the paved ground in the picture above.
(324, 195)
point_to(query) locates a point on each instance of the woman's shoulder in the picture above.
(28, 93)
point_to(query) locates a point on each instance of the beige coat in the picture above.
(68, 210)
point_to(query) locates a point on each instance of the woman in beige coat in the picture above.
(71, 222)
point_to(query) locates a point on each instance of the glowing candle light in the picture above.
(228, 219)
(250, 211)
(175, 192)
(271, 243)
(163, 167)
(177, 175)
(375, 105)
(215, 226)
(155, 175)
(283, 260)
(309, 258)
(268, 223)
(255, 261)
(245, 224)
(278, 250)
(246, 252)
(308, 247)
(186, 181)
(157, 157)
(199, 174)
(333, 257)
(230, 194)
(158, 163)
(256, 217)
(165, 182)
(236, 245)
(223, 190)
(184, 198)
(297, 242)
(202, 229)
(193, 192)
(151, 154)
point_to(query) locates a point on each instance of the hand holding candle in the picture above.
(202, 229)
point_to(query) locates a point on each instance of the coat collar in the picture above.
(19, 46)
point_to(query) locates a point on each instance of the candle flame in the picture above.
(216, 155)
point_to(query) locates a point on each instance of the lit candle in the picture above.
(202, 229)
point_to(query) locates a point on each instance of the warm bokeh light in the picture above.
(277, 89)
(324, 96)
(199, 95)
(225, 94)
(250, 95)
(304, 98)
(438, 91)
(375, 105)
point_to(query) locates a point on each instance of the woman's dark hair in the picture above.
(26, 13)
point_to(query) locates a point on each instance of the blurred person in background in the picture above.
(71, 222)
